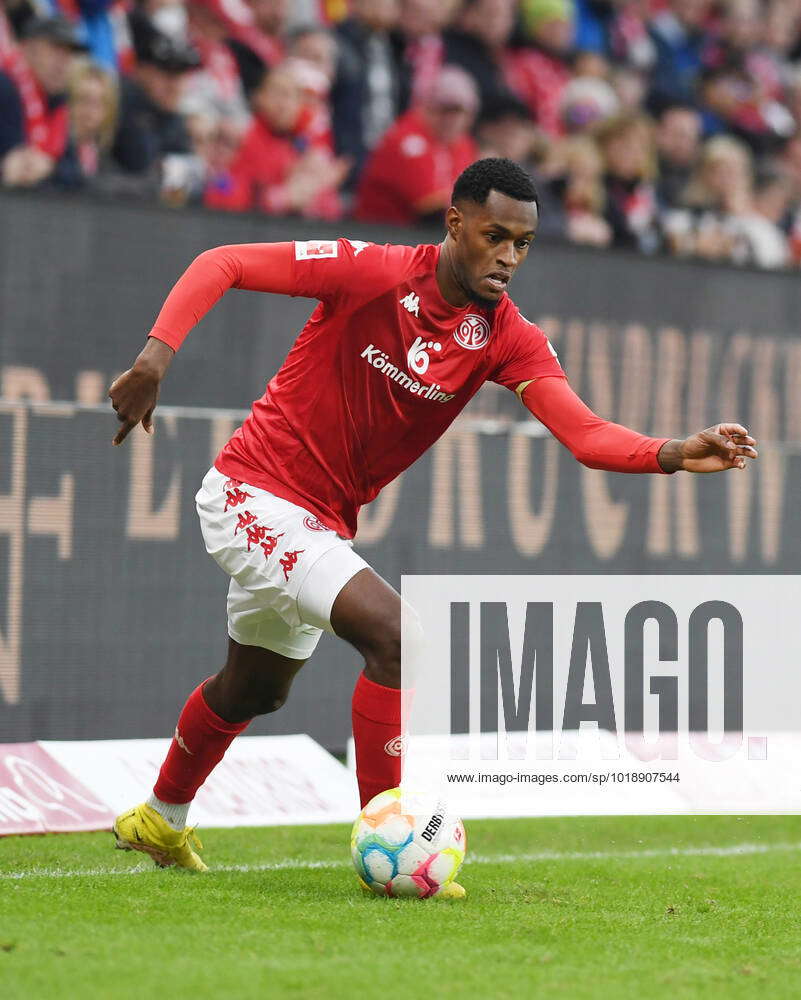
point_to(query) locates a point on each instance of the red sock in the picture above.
(200, 741)
(377, 735)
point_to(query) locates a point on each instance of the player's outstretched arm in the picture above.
(601, 444)
(265, 267)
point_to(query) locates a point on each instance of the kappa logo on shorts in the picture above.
(231, 484)
(269, 544)
(395, 746)
(244, 519)
(235, 497)
(289, 560)
(315, 524)
(256, 534)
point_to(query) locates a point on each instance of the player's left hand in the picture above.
(717, 449)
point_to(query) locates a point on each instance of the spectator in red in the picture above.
(410, 175)
(277, 169)
(33, 91)
(540, 72)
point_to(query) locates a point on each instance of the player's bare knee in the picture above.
(237, 705)
(386, 674)
(268, 701)
(382, 661)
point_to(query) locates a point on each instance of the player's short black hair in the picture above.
(494, 173)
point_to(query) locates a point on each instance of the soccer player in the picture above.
(401, 340)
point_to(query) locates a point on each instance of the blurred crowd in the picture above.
(653, 125)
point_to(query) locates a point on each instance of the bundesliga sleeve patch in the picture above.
(314, 249)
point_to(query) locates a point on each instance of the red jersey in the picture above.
(259, 174)
(410, 166)
(539, 79)
(380, 370)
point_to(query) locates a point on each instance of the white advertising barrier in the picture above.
(589, 773)
(37, 795)
(262, 781)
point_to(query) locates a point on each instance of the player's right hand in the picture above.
(134, 393)
(133, 396)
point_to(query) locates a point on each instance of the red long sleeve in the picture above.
(595, 442)
(257, 267)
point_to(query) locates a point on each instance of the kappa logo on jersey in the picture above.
(473, 332)
(411, 303)
(418, 358)
(314, 524)
(288, 561)
(358, 246)
(313, 249)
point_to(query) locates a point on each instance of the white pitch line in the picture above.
(709, 851)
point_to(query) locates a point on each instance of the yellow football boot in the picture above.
(451, 891)
(143, 829)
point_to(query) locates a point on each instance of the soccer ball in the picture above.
(397, 854)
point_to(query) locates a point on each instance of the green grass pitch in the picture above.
(577, 908)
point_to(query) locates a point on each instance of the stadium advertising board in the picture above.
(55, 786)
(99, 544)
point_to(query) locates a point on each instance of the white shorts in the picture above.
(286, 566)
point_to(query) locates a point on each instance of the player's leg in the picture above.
(265, 545)
(367, 613)
(254, 681)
